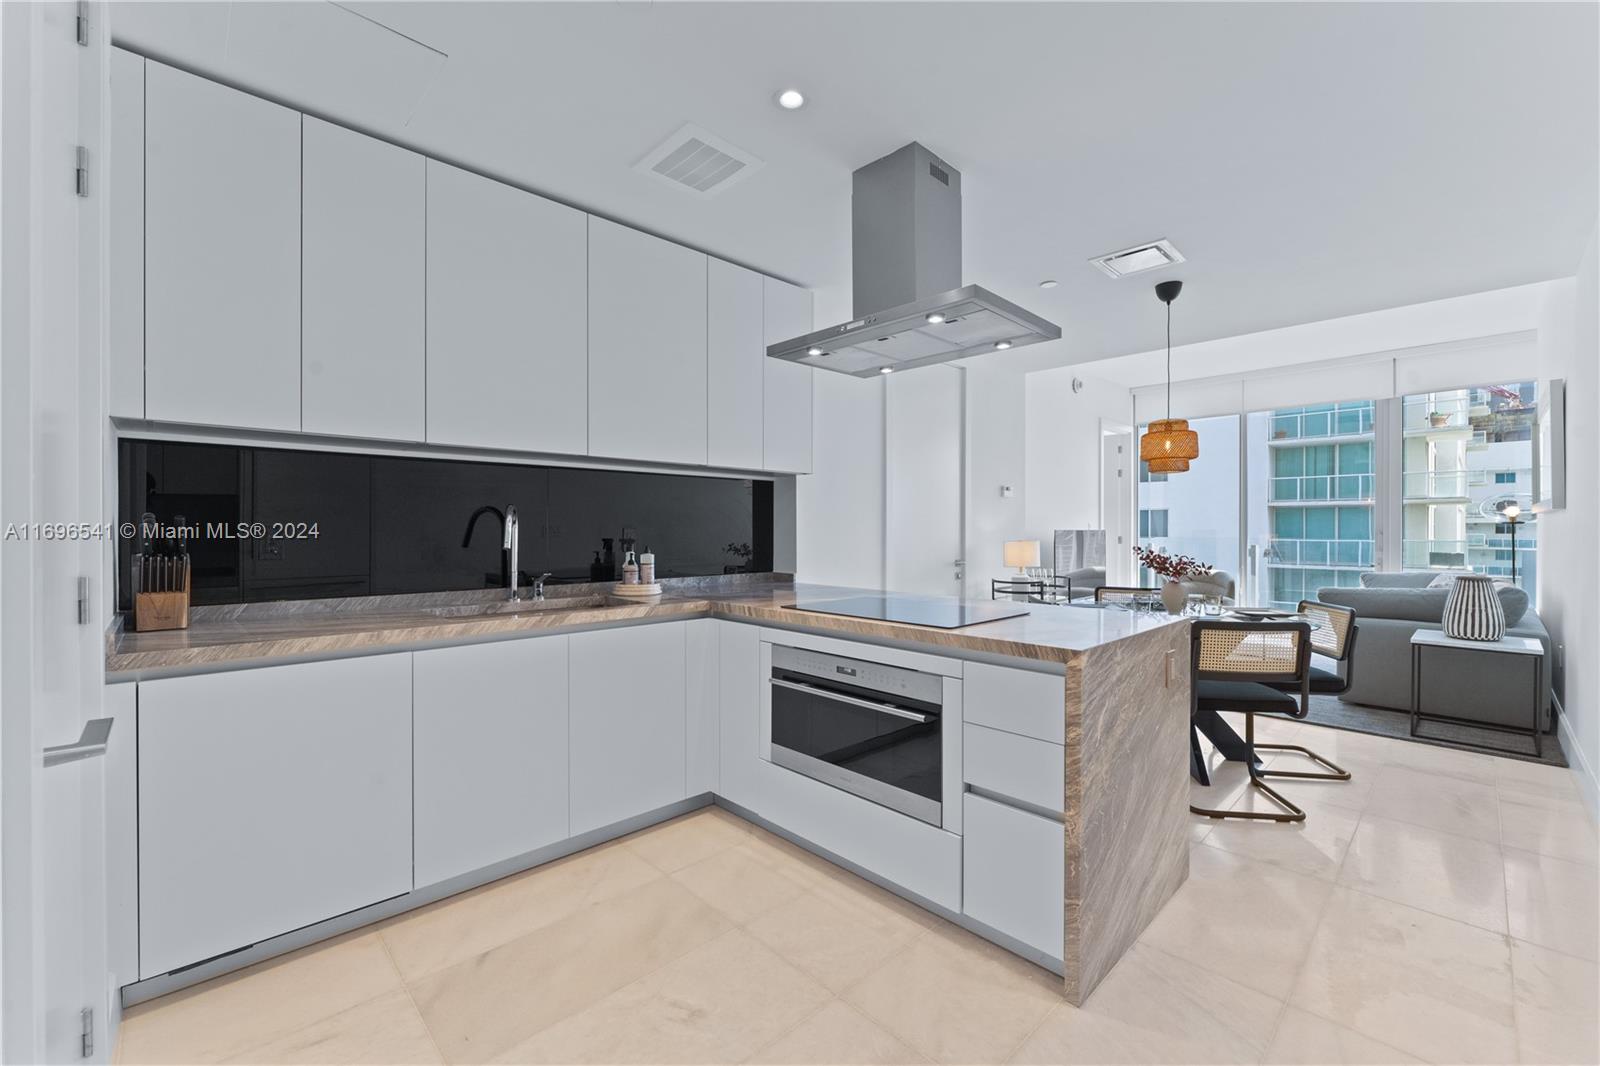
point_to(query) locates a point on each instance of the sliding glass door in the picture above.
(1196, 512)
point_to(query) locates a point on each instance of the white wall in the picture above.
(839, 527)
(996, 456)
(1062, 449)
(1569, 563)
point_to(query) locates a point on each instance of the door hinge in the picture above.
(83, 24)
(83, 601)
(80, 174)
(88, 1032)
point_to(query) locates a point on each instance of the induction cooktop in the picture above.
(939, 613)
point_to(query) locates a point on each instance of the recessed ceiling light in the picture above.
(935, 317)
(886, 370)
(1002, 345)
(815, 351)
(1048, 283)
(791, 100)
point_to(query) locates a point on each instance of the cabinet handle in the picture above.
(91, 742)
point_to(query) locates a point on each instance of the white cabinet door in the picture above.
(739, 712)
(507, 329)
(647, 347)
(786, 413)
(736, 359)
(704, 696)
(491, 770)
(268, 800)
(1014, 871)
(627, 722)
(222, 255)
(125, 256)
(362, 285)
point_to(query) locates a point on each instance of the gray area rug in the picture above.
(1381, 721)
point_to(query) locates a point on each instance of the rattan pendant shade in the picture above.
(1168, 443)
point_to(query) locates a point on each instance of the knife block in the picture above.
(154, 611)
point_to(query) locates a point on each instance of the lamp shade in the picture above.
(1022, 553)
(1168, 445)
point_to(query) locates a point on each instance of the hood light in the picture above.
(791, 100)
(815, 351)
(935, 317)
(886, 370)
(1002, 345)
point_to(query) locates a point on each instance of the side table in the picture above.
(1526, 648)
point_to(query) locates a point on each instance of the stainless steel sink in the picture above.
(502, 607)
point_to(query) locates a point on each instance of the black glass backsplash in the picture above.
(362, 525)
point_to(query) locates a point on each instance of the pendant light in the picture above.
(1168, 443)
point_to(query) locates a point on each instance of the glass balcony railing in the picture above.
(1434, 484)
(1321, 487)
(1348, 421)
(1321, 553)
(1436, 413)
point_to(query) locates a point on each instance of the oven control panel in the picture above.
(889, 680)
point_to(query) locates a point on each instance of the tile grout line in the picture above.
(412, 998)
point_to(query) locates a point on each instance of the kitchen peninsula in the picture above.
(1054, 817)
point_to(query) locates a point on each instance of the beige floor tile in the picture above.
(1454, 876)
(1352, 795)
(956, 998)
(1539, 779)
(1200, 827)
(792, 860)
(1270, 728)
(209, 1022)
(740, 883)
(1314, 847)
(1228, 782)
(1438, 801)
(381, 1031)
(837, 1035)
(836, 935)
(1434, 987)
(482, 1007)
(1446, 762)
(1246, 920)
(683, 841)
(1553, 903)
(1155, 1008)
(718, 1004)
(455, 929)
(1556, 827)
(1307, 1040)
(1558, 998)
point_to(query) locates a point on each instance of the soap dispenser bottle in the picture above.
(647, 567)
(630, 569)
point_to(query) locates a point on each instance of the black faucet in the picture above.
(509, 574)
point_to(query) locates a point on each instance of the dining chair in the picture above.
(1121, 593)
(1240, 666)
(1333, 636)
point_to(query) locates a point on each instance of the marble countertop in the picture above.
(263, 634)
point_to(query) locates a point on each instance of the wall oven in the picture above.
(866, 728)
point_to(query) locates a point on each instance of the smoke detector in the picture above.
(1138, 259)
(698, 161)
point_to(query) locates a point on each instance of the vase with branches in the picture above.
(1174, 568)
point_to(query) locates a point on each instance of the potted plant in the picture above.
(1437, 419)
(1174, 568)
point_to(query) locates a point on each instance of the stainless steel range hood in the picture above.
(911, 308)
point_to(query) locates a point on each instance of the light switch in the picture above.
(1006, 492)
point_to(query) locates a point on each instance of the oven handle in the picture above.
(855, 701)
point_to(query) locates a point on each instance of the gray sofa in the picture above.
(1390, 607)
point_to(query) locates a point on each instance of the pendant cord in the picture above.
(1169, 361)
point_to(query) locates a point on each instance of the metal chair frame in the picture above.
(1300, 676)
(1029, 587)
(1342, 654)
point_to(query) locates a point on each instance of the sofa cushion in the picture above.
(1415, 604)
(1382, 579)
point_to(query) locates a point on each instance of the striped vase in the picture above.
(1472, 611)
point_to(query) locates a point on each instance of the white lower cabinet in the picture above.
(1013, 872)
(628, 730)
(269, 799)
(491, 753)
(704, 695)
(739, 712)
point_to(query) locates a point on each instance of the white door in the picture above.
(52, 408)
(926, 460)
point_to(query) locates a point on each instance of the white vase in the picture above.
(1174, 597)
(1472, 611)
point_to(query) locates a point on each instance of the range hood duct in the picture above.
(910, 307)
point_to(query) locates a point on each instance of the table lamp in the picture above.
(1022, 554)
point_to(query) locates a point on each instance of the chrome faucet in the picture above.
(538, 585)
(511, 547)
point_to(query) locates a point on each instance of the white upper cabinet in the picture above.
(490, 771)
(735, 366)
(362, 285)
(222, 255)
(125, 187)
(647, 347)
(786, 425)
(507, 329)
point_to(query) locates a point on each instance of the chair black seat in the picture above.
(1244, 696)
(1321, 681)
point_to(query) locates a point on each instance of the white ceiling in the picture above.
(1311, 160)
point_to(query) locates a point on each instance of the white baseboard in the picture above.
(1578, 760)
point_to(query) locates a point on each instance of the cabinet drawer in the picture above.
(1018, 701)
(1019, 768)
(1013, 873)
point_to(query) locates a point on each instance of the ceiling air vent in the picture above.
(698, 161)
(1139, 258)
